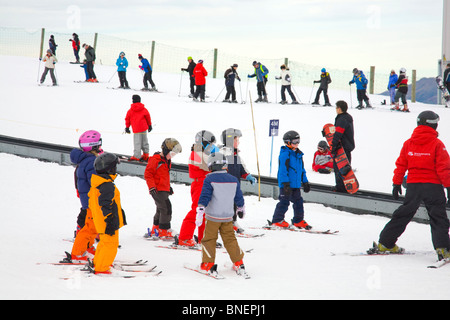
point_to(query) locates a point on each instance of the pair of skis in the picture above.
(270, 226)
(213, 273)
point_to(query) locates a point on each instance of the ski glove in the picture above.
(240, 211)
(200, 215)
(396, 191)
(127, 130)
(306, 187)
(251, 178)
(150, 128)
(153, 192)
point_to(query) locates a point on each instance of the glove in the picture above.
(306, 187)
(350, 83)
(111, 225)
(287, 191)
(150, 128)
(251, 178)
(396, 191)
(240, 211)
(448, 196)
(153, 192)
(127, 130)
(200, 215)
(170, 191)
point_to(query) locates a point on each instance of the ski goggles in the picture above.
(295, 141)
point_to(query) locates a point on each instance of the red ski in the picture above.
(346, 171)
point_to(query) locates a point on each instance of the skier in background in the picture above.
(230, 76)
(76, 47)
(261, 74)
(285, 78)
(324, 81)
(90, 61)
(147, 68)
(122, 65)
(50, 61)
(393, 77)
(200, 74)
(402, 89)
(52, 44)
(361, 88)
(446, 78)
(190, 70)
(427, 162)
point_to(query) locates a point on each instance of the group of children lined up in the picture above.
(216, 195)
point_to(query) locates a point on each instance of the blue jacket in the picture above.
(220, 192)
(145, 65)
(392, 80)
(83, 173)
(360, 80)
(260, 73)
(291, 168)
(122, 64)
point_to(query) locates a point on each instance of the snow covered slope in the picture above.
(39, 204)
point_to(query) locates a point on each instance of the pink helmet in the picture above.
(90, 140)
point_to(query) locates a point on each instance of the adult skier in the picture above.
(261, 74)
(190, 70)
(361, 87)
(90, 61)
(230, 76)
(402, 89)
(324, 81)
(147, 68)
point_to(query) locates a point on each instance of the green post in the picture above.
(42, 43)
(286, 62)
(152, 54)
(215, 64)
(95, 41)
(372, 79)
(413, 86)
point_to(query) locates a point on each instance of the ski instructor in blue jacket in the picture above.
(261, 73)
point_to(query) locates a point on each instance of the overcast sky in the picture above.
(339, 34)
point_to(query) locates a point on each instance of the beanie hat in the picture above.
(136, 98)
(140, 56)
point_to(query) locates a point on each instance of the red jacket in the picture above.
(157, 173)
(322, 160)
(199, 74)
(425, 158)
(138, 117)
(198, 169)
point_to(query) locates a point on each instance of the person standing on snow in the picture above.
(324, 81)
(147, 68)
(198, 169)
(76, 47)
(402, 89)
(200, 74)
(343, 137)
(361, 88)
(230, 76)
(50, 61)
(122, 65)
(190, 70)
(261, 74)
(90, 61)
(52, 44)
(391, 86)
(285, 78)
(427, 162)
(139, 119)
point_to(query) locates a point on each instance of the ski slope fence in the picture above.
(167, 58)
(363, 202)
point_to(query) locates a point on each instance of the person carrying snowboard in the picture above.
(291, 177)
(220, 192)
(343, 137)
(427, 162)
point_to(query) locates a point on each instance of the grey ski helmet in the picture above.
(228, 136)
(204, 138)
(217, 161)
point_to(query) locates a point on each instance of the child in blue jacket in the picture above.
(291, 176)
(393, 77)
(361, 86)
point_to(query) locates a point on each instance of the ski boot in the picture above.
(405, 108)
(396, 107)
(240, 269)
(302, 225)
(281, 224)
(442, 254)
(381, 249)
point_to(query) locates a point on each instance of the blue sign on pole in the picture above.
(274, 125)
(273, 132)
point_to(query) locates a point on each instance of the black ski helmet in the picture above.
(204, 138)
(290, 136)
(217, 161)
(228, 136)
(106, 163)
(428, 118)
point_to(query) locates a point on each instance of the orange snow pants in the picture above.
(106, 252)
(86, 236)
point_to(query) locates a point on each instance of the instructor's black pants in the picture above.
(434, 199)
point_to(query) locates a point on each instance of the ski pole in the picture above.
(181, 79)
(112, 76)
(240, 91)
(312, 89)
(39, 69)
(295, 93)
(246, 91)
(351, 102)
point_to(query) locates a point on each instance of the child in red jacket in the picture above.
(200, 74)
(157, 177)
(139, 119)
(323, 163)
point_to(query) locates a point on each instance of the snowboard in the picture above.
(346, 171)
(445, 93)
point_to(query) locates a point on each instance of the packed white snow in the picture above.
(39, 203)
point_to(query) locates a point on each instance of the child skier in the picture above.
(200, 74)
(323, 163)
(198, 169)
(285, 78)
(235, 166)
(157, 177)
(50, 61)
(230, 76)
(139, 119)
(361, 86)
(90, 143)
(107, 213)
(402, 90)
(147, 68)
(122, 65)
(216, 204)
(291, 176)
